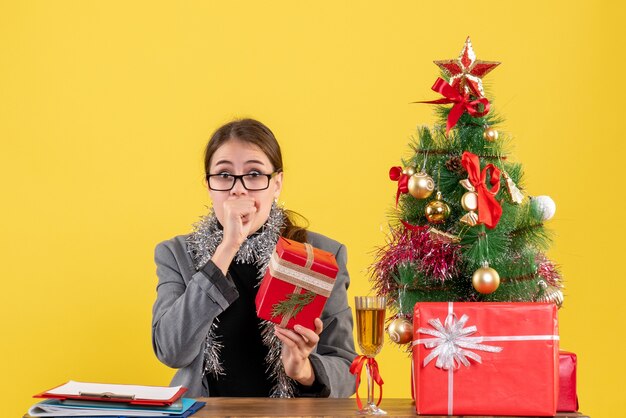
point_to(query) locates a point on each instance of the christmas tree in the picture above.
(464, 228)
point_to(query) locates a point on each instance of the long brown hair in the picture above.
(254, 132)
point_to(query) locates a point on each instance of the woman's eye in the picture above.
(224, 174)
(254, 173)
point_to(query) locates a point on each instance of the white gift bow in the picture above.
(452, 343)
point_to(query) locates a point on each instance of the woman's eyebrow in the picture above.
(227, 162)
(255, 162)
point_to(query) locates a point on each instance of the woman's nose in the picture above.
(238, 188)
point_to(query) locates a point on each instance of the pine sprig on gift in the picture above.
(293, 305)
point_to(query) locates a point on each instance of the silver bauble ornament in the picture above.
(544, 206)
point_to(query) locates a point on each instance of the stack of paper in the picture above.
(75, 399)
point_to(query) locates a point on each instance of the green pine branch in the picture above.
(293, 305)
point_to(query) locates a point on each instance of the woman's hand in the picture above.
(239, 215)
(297, 345)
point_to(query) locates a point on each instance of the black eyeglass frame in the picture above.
(240, 178)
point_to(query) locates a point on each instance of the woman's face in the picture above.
(237, 157)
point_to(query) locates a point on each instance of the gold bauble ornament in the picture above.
(550, 293)
(486, 280)
(469, 201)
(400, 331)
(490, 135)
(437, 211)
(409, 171)
(421, 185)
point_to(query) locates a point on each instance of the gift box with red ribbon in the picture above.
(568, 399)
(485, 358)
(296, 285)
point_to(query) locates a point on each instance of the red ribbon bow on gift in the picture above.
(357, 366)
(396, 174)
(489, 209)
(461, 102)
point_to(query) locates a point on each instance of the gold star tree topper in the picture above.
(466, 72)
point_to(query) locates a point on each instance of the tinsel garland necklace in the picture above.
(256, 249)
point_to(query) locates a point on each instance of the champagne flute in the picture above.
(370, 322)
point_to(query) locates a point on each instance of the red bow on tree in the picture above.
(489, 209)
(414, 228)
(357, 366)
(396, 174)
(461, 102)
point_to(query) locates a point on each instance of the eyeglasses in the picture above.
(254, 181)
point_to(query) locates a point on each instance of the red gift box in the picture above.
(296, 285)
(568, 399)
(485, 358)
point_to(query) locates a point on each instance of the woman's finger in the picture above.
(308, 335)
(291, 334)
(286, 340)
(295, 337)
(319, 326)
(240, 206)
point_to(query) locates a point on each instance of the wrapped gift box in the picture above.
(485, 359)
(568, 399)
(296, 285)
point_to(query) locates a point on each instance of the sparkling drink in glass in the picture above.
(370, 323)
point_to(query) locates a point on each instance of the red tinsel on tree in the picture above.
(548, 271)
(435, 259)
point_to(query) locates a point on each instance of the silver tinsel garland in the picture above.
(257, 249)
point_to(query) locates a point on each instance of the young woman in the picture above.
(204, 320)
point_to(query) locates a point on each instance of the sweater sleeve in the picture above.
(335, 350)
(184, 310)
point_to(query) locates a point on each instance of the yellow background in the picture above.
(105, 108)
